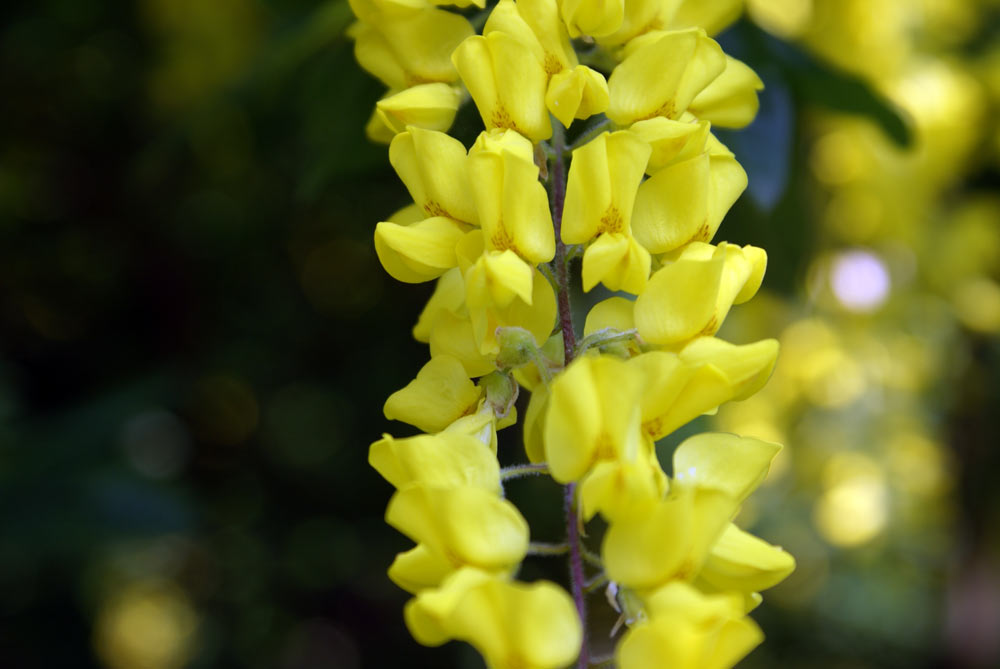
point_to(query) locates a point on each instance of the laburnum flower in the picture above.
(686, 629)
(672, 538)
(642, 16)
(454, 526)
(445, 459)
(692, 293)
(513, 625)
(429, 106)
(407, 43)
(507, 83)
(667, 73)
(694, 180)
(441, 394)
(604, 177)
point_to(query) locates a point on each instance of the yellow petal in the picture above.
(679, 302)
(618, 261)
(616, 488)
(468, 526)
(662, 75)
(601, 186)
(432, 165)
(439, 395)
(407, 46)
(592, 17)
(740, 561)
(419, 569)
(730, 101)
(689, 630)
(672, 206)
(735, 465)
(376, 129)
(454, 336)
(448, 297)
(576, 93)
(538, 317)
(419, 252)
(511, 624)
(513, 206)
(671, 141)
(593, 414)
(444, 459)
(497, 279)
(429, 106)
(428, 613)
(666, 540)
(639, 16)
(507, 83)
(534, 425)
(614, 313)
(746, 367)
(536, 24)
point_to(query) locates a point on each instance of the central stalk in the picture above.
(557, 181)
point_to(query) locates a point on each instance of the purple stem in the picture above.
(557, 176)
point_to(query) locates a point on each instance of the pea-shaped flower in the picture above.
(600, 193)
(527, 626)
(507, 82)
(686, 629)
(691, 294)
(406, 44)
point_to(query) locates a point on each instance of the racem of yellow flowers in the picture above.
(638, 199)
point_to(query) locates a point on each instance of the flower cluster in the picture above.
(499, 226)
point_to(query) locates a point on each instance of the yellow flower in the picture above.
(536, 25)
(445, 459)
(694, 182)
(429, 106)
(406, 44)
(507, 83)
(689, 630)
(592, 17)
(593, 415)
(642, 16)
(448, 298)
(455, 527)
(441, 394)
(420, 251)
(512, 205)
(731, 100)
(600, 192)
(433, 167)
(578, 93)
(691, 295)
(513, 625)
(673, 538)
(666, 539)
(662, 73)
(741, 562)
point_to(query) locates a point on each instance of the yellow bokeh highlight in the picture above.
(146, 625)
(917, 464)
(854, 508)
(977, 304)
(837, 158)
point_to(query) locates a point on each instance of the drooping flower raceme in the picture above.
(596, 146)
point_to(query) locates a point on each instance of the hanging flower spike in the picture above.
(497, 227)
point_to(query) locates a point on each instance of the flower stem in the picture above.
(519, 471)
(557, 181)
